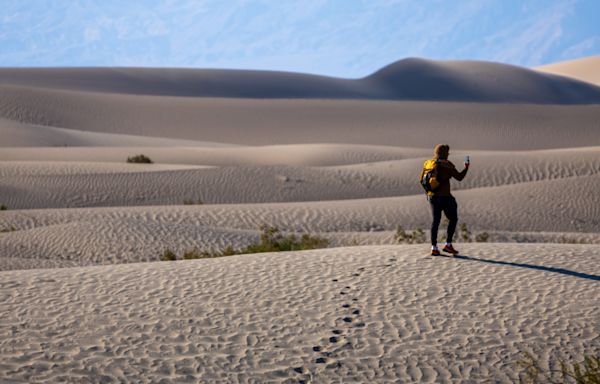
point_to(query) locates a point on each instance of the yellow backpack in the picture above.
(428, 179)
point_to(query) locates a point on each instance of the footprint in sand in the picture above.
(326, 356)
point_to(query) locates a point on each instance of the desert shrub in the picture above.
(139, 159)
(227, 251)
(198, 254)
(571, 240)
(354, 242)
(403, 236)
(482, 237)
(168, 255)
(271, 240)
(3, 207)
(192, 202)
(191, 254)
(586, 372)
(464, 235)
(10, 229)
(195, 254)
(312, 242)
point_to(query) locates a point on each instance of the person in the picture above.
(441, 200)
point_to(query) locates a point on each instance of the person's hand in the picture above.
(467, 165)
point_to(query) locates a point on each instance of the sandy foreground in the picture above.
(84, 298)
(358, 314)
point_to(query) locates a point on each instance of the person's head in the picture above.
(441, 151)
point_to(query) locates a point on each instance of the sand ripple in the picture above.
(129, 234)
(368, 314)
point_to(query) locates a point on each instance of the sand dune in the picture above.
(365, 314)
(586, 69)
(292, 155)
(265, 122)
(16, 134)
(75, 183)
(514, 196)
(409, 79)
(242, 184)
(475, 81)
(130, 234)
(292, 150)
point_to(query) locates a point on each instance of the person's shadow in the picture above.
(530, 266)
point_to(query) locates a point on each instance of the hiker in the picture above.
(435, 178)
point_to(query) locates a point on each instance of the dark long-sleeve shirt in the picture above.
(446, 171)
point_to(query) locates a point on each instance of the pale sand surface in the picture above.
(375, 314)
(586, 69)
(293, 155)
(128, 234)
(307, 162)
(271, 174)
(264, 122)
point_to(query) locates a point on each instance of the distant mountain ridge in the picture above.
(409, 79)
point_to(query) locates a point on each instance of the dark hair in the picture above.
(441, 151)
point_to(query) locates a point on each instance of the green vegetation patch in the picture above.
(271, 240)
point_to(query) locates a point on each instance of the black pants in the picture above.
(446, 204)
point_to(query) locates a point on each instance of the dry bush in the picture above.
(271, 240)
(403, 236)
(168, 255)
(139, 159)
(586, 372)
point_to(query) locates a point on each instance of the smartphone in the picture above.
(467, 160)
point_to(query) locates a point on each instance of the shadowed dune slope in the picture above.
(586, 69)
(17, 134)
(408, 79)
(260, 122)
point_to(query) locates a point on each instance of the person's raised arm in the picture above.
(459, 175)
